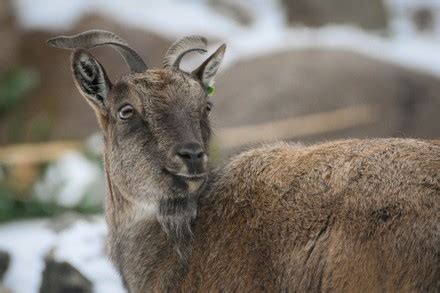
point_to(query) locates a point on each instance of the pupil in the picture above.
(126, 112)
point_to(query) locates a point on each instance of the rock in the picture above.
(4, 263)
(235, 10)
(298, 83)
(65, 220)
(370, 14)
(424, 19)
(55, 110)
(63, 277)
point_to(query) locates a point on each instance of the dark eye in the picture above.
(126, 112)
(208, 108)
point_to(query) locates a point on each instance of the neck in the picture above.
(175, 217)
(150, 240)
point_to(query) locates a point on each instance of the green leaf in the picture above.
(211, 90)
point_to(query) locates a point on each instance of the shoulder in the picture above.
(250, 175)
(292, 180)
(284, 163)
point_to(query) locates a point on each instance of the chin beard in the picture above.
(175, 216)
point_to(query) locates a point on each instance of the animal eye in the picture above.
(208, 108)
(126, 112)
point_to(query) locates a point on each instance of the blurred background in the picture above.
(297, 70)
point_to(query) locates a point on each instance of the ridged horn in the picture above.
(95, 38)
(182, 46)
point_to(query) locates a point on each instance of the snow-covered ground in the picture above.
(82, 244)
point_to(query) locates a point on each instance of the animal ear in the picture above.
(207, 71)
(91, 80)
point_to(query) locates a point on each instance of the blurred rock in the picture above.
(9, 36)
(423, 19)
(55, 110)
(234, 10)
(65, 220)
(63, 277)
(4, 263)
(302, 82)
(371, 14)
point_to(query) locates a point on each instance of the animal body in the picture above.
(345, 216)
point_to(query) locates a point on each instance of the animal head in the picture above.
(154, 121)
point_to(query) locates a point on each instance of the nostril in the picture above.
(190, 153)
(185, 155)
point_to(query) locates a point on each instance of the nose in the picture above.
(190, 153)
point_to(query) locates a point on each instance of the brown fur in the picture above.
(350, 216)
(353, 216)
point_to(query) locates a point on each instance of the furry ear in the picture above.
(207, 71)
(91, 80)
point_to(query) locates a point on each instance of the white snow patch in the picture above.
(170, 17)
(414, 52)
(95, 143)
(27, 242)
(82, 245)
(69, 179)
(402, 12)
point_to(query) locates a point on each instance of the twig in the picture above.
(298, 126)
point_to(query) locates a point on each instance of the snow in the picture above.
(69, 180)
(27, 242)
(402, 10)
(95, 144)
(168, 16)
(82, 245)
(266, 35)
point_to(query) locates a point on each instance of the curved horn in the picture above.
(94, 38)
(182, 46)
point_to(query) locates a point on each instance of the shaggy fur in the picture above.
(351, 216)
(345, 216)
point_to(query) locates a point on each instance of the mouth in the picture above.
(185, 176)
